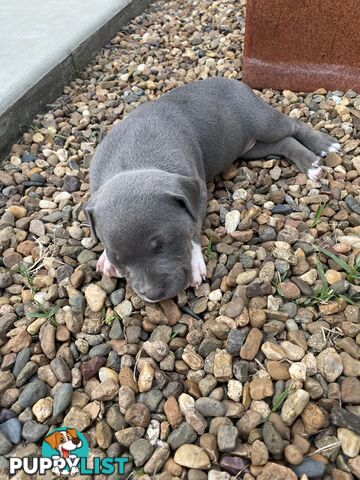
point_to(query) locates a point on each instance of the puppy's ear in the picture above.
(53, 440)
(187, 193)
(89, 210)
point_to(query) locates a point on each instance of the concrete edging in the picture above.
(21, 113)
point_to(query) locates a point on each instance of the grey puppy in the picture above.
(148, 177)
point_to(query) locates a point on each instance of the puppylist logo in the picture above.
(65, 451)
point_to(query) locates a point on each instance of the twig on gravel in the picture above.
(323, 449)
(137, 358)
(241, 471)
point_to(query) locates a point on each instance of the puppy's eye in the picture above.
(156, 245)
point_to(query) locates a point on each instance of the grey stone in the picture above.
(77, 303)
(117, 296)
(5, 445)
(181, 435)
(32, 431)
(273, 441)
(151, 399)
(21, 360)
(26, 373)
(116, 330)
(12, 430)
(62, 398)
(209, 407)
(235, 340)
(209, 345)
(5, 279)
(61, 369)
(32, 393)
(141, 450)
(241, 370)
(309, 467)
(227, 437)
(102, 350)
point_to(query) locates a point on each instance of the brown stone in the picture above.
(172, 412)
(126, 378)
(274, 471)
(252, 344)
(289, 290)
(350, 390)
(18, 342)
(138, 415)
(261, 388)
(91, 367)
(354, 465)
(259, 453)
(341, 475)
(314, 418)
(277, 370)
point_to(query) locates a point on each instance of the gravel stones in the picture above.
(192, 456)
(314, 418)
(203, 370)
(294, 406)
(32, 392)
(232, 220)
(5, 445)
(210, 407)
(181, 435)
(95, 297)
(226, 438)
(252, 344)
(62, 398)
(11, 429)
(350, 442)
(141, 450)
(138, 415)
(329, 364)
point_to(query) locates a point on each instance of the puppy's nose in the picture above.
(76, 440)
(155, 293)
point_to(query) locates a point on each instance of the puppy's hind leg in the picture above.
(305, 160)
(318, 142)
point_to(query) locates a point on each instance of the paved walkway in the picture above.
(37, 43)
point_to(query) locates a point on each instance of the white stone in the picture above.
(235, 389)
(232, 220)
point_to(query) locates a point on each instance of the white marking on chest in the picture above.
(198, 267)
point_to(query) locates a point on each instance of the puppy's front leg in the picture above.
(198, 267)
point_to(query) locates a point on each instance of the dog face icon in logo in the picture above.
(65, 446)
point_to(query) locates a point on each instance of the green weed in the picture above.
(280, 399)
(318, 214)
(42, 312)
(352, 272)
(325, 294)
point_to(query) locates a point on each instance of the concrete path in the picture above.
(43, 45)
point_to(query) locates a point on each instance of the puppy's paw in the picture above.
(198, 267)
(106, 267)
(332, 147)
(315, 172)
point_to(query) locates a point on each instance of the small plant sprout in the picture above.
(352, 271)
(319, 212)
(325, 293)
(43, 312)
(280, 399)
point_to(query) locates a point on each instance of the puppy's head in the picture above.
(146, 220)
